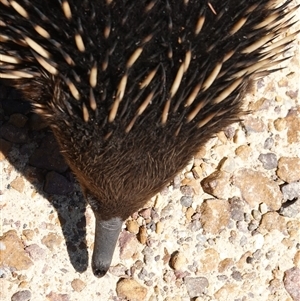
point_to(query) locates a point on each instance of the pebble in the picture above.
(288, 169)
(269, 143)
(216, 184)
(225, 265)
(215, 215)
(195, 286)
(272, 221)
(236, 209)
(142, 235)
(36, 252)
(292, 282)
(52, 296)
(52, 240)
(178, 261)
(21, 296)
(78, 285)
(18, 184)
(131, 290)
(132, 226)
(209, 261)
(128, 244)
(12, 253)
(291, 191)
(257, 188)
(268, 160)
(290, 209)
(159, 228)
(186, 201)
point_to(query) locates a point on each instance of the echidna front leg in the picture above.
(106, 236)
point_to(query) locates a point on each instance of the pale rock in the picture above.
(289, 169)
(215, 215)
(216, 184)
(12, 253)
(178, 261)
(131, 290)
(272, 221)
(78, 285)
(257, 188)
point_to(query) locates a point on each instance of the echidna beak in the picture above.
(106, 237)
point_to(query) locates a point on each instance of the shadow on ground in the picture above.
(30, 147)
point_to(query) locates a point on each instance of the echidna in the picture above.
(132, 89)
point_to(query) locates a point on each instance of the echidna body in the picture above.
(132, 89)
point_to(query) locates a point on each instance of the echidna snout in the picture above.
(133, 89)
(106, 236)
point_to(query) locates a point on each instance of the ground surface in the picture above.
(227, 228)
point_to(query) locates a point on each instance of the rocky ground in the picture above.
(226, 228)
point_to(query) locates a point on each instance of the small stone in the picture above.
(253, 124)
(291, 191)
(18, 184)
(244, 152)
(236, 209)
(128, 245)
(12, 253)
(297, 259)
(288, 169)
(292, 282)
(187, 190)
(132, 226)
(236, 275)
(52, 296)
(78, 285)
(28, 233)
(178, 261)
(228, 165)
(52, 240)
(21, 296)
(256, 214)
(272, 221)
(145, 213)
(186, 201)
(209, 260)
(263, 208)
(195, 286)
(216, 184)
(239, 137)
(268, 160)
(142, 235)
(293, 125)
(280, 124)
(225, 265)
(257, 188)
(197, 172)
(159, 227)
(268, 143)
(189, 213)
(290, 209)
(131, 290)
(36, 252)
(215, 215)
